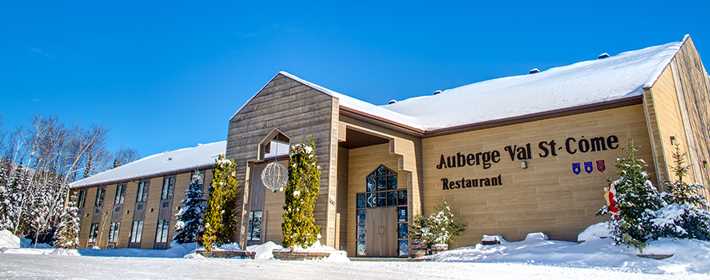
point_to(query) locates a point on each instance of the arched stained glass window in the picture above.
(381, 188)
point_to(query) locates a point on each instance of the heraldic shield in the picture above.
(588, 167)
(576, 168)
(601, 166)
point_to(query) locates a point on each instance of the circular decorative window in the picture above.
(274, 176)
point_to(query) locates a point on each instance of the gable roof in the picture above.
(614, 78)
(199, 156)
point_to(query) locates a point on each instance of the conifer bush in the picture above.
(299, 227)
(636, 198)
(441, 227)
(221, 217)
(67, 236)
(189, 225)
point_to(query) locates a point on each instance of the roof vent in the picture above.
(533, 71)
(438, 91)
(170, 158)
(392, 101)
(603, 56)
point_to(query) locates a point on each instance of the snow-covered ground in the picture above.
(105, 268)
(534, 258)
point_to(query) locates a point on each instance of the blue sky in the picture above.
(162, 75)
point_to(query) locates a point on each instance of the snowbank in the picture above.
(264, 251)
(690, 256)
(9, 240)
(536, 236)
(594, 232)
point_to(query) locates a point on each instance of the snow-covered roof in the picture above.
(182, 159)
(583, 83)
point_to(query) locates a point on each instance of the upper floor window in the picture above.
(168, 187)
(142, 192)
(274, 145)
(199, 175)
(100, 197)
(120, 194)
(276, 148)
(81, 198)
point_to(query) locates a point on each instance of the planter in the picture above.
(227, 254)
(438, 248)
(418, 253)
(299, 256)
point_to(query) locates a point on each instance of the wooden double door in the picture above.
(381, 232)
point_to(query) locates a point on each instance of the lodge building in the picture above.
(528, 153)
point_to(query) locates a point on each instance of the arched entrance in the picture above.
(381, 227)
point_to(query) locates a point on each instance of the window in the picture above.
(161, 235)
(254, 228)
(276, 148)
(93, 232)
(120, 194)
(136, 231)
(142, 192)
(168, 186)
(381, 188)
(113, 232)
(100, 197)
(81, 197)
(360, 236)
(200, 177)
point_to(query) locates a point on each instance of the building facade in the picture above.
(529, 153)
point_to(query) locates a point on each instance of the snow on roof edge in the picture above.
(88, 182)
(659, 71)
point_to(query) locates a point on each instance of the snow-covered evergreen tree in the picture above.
(190, 217)
(299, 227)
(67, 236)
(20, 200)
(637, 200)
(220, 219)
(6, 208)
(438, 228)
(686, 215)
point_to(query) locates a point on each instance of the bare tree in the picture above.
(124, 156)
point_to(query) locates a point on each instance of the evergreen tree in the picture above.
(299, 227)
(637, 198)
(6, 207)
(189, 219)
(221, 217)
(679, 191)
(67, 236)
(686, 214)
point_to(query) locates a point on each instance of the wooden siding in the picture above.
(301, 113)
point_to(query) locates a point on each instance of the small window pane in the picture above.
(361, 217)
(381, 183)
(381, 199)
(403, 248)
(361, 248)
(391, 198)
(402, 214)
(403, 231)
(402, 198)
(392, 182)
(370, 184)
(360, 200)
(371, 200)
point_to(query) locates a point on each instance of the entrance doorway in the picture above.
(382, 226)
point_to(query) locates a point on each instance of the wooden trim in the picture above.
(366, 117)
(626, 101)
(146, 177)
